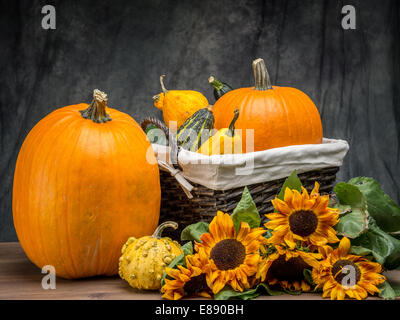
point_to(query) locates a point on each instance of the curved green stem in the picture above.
(218, 85)
(231, 131)
(162, 226)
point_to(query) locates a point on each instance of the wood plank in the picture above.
(20, 279)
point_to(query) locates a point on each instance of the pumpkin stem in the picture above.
(261, 76)
(231, 131)
(162, 84)
(97, 108)
(218, 85)
(162, 226)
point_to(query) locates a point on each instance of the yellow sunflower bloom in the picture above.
(285, 267)
(302, 218)
(189, 281)
(234, 256)
(341, 274)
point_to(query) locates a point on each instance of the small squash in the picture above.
(178, 105)
(196, 129)
(144, 260)
(225, 141)
(220, 88)
(278, 116)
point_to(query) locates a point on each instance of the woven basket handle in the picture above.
(173, 156)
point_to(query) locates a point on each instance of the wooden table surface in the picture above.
(20, 279)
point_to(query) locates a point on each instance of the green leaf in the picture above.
(179, 260)
(387, 291)
(348, 194)
(353, 206)
(194, 231)
(396, 288)
(307, 275)
(246, 211)
(187, 248)
(293, 293)
(156, 135)
(384, 248)
(291, 182)
(380, 206)
(360, 251)
(227, 293)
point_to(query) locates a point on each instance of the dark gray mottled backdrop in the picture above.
(122, 47)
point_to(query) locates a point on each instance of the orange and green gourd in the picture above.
(178, 105)
(225, 141)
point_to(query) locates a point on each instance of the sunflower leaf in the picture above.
(156, 135)
(386, 291)
(194, 231)
(293, 293)
(179, 260)
(187, 248)
(291, 182)
(227, 293)
(381, 207)
(353, 206)
(384, 248)
(307, 275)
(350, 195)
(246, 211)
(396, 288)
(360, 251)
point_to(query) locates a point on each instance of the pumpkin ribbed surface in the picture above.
(81, 189)
(279, 116)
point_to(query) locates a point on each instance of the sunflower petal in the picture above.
(344, 247)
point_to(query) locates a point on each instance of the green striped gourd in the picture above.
(220, 88)
(196, 129)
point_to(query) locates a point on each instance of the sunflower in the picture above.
(285, 267)
(189, 281)
(341, 274)
(233, 256)
(302, 218)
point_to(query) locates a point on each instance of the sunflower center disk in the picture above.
(228, 254)
(196, 284)
(303, 223)
(346, 272)
(290, 270)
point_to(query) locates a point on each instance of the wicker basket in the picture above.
(176, 206)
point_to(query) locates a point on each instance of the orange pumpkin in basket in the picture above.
(86, 179)
(280, 116)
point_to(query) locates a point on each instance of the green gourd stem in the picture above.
(162, 226)
(218, 85)
(231, 131)
(162, 84)
(261, 76)
(97, 108)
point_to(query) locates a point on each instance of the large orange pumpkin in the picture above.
(86, 179)
(280, 116)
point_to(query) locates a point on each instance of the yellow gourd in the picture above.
(144, 260)
(178, 105)
(225, 141)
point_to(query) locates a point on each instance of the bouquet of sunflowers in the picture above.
(338, 245)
